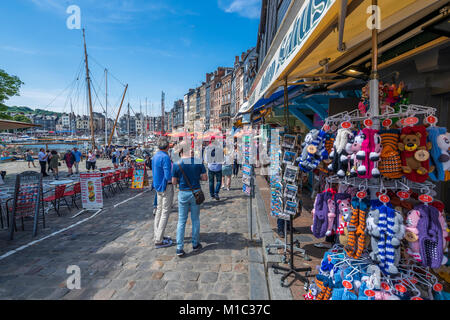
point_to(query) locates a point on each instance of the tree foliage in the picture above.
(9, 86)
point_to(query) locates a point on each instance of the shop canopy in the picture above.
(311, 37)
(11, 125)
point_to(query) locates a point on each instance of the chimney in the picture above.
(236, 60)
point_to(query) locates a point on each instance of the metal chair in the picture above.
(76, 190)
(55, 199)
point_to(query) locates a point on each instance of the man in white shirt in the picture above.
(42, 156)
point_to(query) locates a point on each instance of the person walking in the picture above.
(42, 157)
(49, 156)
(91, 161)
(187, 174)
(69, 159)
(162, 182)
(115, 158)
(54, 163)
(214, 170)
(227, 171)
(29, 158)
(77, 155)
(235, 162)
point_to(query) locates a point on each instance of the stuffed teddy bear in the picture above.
(440, 153)
(412, 235)
(414, 153)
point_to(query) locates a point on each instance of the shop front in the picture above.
(360, 91)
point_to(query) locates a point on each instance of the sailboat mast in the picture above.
(117, 116)
(88, 80)
(106, 106)
(128, 124)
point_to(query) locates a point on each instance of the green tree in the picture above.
(9, 86)
(21, 118)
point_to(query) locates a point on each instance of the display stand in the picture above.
(290, 175)
(292, 270)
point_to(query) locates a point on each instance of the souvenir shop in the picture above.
(379, 167)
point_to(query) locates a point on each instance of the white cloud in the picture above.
(245, 8)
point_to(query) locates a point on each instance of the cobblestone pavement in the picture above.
(115, 253)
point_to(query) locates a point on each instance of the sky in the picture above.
(151, 45)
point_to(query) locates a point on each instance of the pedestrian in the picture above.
(70, 160)
(187, 174)
(115, 158)
(162, 182)
(91, 161)
(227, 171)
(29, 158)
(77, 155)
(235, 162)
(214, 169)
(54, 163)
(125, 152)
(42, 157)
(49, 156)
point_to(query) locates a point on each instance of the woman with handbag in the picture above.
(187, 174)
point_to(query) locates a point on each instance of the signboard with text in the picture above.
(91, 191)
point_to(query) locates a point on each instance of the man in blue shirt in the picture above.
(194, 172)
(77, 154)
(162, 182)
(214, 158)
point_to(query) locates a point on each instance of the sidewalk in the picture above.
(115, 253)
(303, 234)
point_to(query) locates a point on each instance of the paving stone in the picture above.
(209, 277)
(157, 275)
(171, 276)
(190, 276)
(104, 294)
(240, 268)
(226, 267)
(157, 265)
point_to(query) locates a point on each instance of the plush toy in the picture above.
(390, 164)
(440, 153)
(384, 225)
(356, 156)
(369, 154)
(331, 216)
(425, 236)
(414, 153)
(320, 214)
(339, 155)
(356, 228)
(313, 150)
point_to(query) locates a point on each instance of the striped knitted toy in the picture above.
(313, 150)
(386, 242)
(390, 163)
(356, 229)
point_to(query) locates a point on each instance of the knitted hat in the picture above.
(390, 163)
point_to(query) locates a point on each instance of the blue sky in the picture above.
(152, 45)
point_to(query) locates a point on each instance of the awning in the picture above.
(10, 125)
(307, 37)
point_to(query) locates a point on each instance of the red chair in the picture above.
(55, 199)
(123, 176)
(116, 180)
(106, 183)
(130, 173)
(76, 190)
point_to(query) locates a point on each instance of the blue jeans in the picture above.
(218, 175)
(186, 201)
